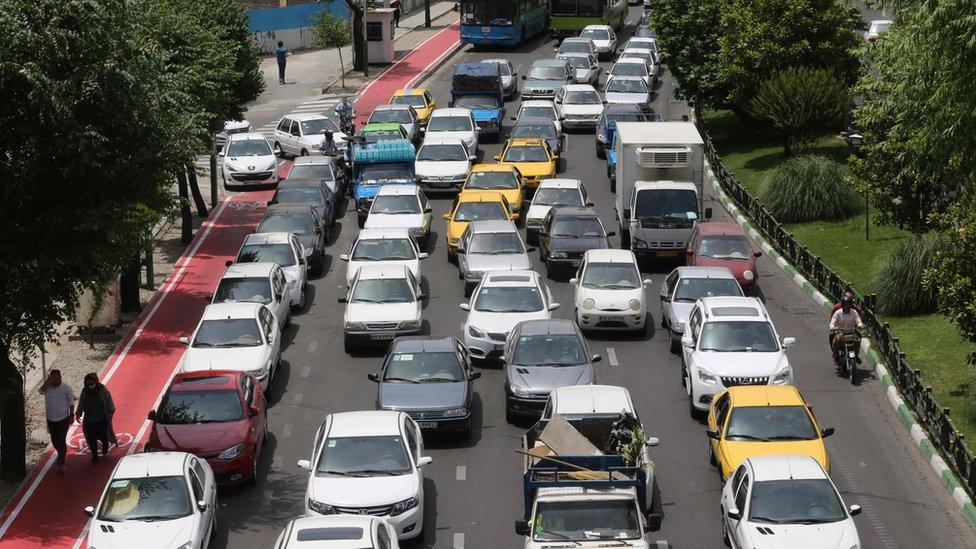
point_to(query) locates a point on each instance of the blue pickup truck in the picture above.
(378, 164)
(478, 86)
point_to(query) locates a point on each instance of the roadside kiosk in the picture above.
(379, 35)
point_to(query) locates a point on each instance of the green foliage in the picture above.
(809, 188)
(953, 275)
(898, 277)
(801, 103)
(332, 32)
(688, 34)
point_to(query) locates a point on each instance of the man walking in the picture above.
(59, 408)
(281, 54)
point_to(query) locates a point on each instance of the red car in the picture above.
(717, 244)
(218, 415)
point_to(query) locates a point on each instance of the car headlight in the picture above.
(401, 507)
(260, 373)
(474, 332)
(455, 412)
(589, 303)
(748, 275)
(520, 391)
(557, 255)
(678, 326)
(271, 166)
(705, 376)
(782, 377)
(409, 324)
(320, 507)
(232, 452)
(635, 304)
(355, 325)
(601, 138)
(230, 169)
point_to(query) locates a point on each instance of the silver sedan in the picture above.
(586, 69)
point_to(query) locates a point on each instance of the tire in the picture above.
(674, 345)
(664, 320)
(360, 220)
(625, 239)
(509, 417)
(347, 346)
(725, 532)
(711, 456)
(253, 481)
(304, 152)
(600, 153)
(695, 413)
(549, 273)
(276, 149)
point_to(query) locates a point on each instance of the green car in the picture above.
(382, 131)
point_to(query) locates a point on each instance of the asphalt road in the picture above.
(473, 489)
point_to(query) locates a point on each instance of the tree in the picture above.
(332, 32)
(801, 103)
(357, 7)
(953, 276)
(688, 35)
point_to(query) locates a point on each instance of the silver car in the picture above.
(509, 76)
(683, 287)
(586, 69)
(629, 90)
(545, 78)
(488, 246)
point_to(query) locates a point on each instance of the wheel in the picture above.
(675, 344)
(549, 273)
(277, 150)
(361, 220)
(253, 481)
(509, 416)
(532, 238)
(625, 239)
(725, 532)
(613, 182)
(711, 456)
(852, 369)
(664, 321)
(695, 413)
(347, 346)
(600, 153)
(304, 152)
(304, 301)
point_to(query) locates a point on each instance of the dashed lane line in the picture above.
(612, 356)
(306, 370)
(297, 399)
(286, 430)
(462, 472)
(312, 346)
(458, 541)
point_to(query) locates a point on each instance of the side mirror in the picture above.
(426, 460)
(664, 296)
(596, 358)
(151, 416)
(733, 514)
(626, 214)
(498, 158)
(523, 77)
(521, 527)
(589, 204)
(423, 130)
(185, 340)
(474, 375)
(712, 434)
(305, 464)
(553, 307)
(653, 522)
(789, 342)
(826, 432)
(473, 157)
(422, 255)
(708, 213)
(530, 249)
(202, 506)
(255, 410)
(854, 510)
(90, 511)
(687, 341)
(228, 263)
(756, 254)
(344, 257)
(427, 210)
(220, 154)
(606, 73)
(342, 300)
(209, 297)
(307, 252)
(447, 217)
(611, 233)
(647, 281)
(574, 280)
(271, 203)
(375, 378)
(464, 307)
(512, 118)
(650, 442)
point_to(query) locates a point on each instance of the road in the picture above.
(473, 488)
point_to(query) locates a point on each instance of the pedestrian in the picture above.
(281, 53)
(59, 410)
(95, 408)
(396, 15)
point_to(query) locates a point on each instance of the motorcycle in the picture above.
(846, 358)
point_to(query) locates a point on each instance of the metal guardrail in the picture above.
(934, 417)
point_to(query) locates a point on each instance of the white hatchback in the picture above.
(338, 532)
(401, 207)
(610, 292)
(301, 134)
(262, 283)
(454, 122)
(383, 247)
(383, 303)
(248, 163)
(285, 250)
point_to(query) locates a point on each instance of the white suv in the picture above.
(730, 341)
(383, 303)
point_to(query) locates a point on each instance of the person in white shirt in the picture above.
(59, 409)
(846, 318)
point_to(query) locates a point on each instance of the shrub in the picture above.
(899, 277)
(810, 188)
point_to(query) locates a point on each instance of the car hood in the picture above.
(386, 221)
(737, 266)
(486, 114)
(309, 240)
(582, 109)
(200, 439)
(532, 83)
(250, 163)
(502, 323)
(537, 211)
(566, 244)
(503, 262)
(626, 98)
(378, 312)
(441, 167)
(742, 364)
(412, 264)
(423, 396)
(165, 534)
(840, 535)
(734, 452)
(535, 169)
(581, 74)
(681, 310)
(230, 358)
(362, 491)
(618, 300)
(543, 379)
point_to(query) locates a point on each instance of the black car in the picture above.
(303, 221)
(566, 233)
(319, 167)
(314, 192)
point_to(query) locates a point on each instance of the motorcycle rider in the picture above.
(346, 113)
(844, 318)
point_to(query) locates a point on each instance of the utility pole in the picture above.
(427, 13)
(365, 44)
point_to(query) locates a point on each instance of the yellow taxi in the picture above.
(470, 206)
(760, 420)
(418, 98)
(498, 177)
(532, 157)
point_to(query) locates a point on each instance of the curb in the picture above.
(942, 471)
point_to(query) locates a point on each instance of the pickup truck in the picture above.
(377, 164)
(478, 86)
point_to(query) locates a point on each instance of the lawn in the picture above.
(931, 343)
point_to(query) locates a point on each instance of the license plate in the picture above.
(427, 424)
(383, 335)
(614, 318)
(486, 30)
(667, 254)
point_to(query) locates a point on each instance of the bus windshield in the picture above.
(480, 12)
(577, 7)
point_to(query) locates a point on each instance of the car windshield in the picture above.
(391, 204)
(539, 111)
(387, 249)
(495, 244)
(477, 102)
(595, 34)
(299, 195)
(318, 126)
(251, 290)
(368, 456)
(412, 100)
(574, 46)
(548, 196)
(448, 153)
(396, 116)
(147, 498)
(544, 131)
(228, 332)
(474, 211)
(577, 227)
(549, 350)
(189, 407)
(298, 223)
(629, 69)
(375, 136)
(423, 368)
(526, 154)
(491, 180)
(692, 289)
(662, 204)
(611, 520)
(311, 171)
(806, 501)
(248, 147)
(725, 247)
(282, 254)
(625, 85)
(382, 290)
(487, 13)
(578, 61)
(738, 336)
(450, 124)
(611, 276)
(379, 173)
(770, 423)
(583, 97)
(548, 73)
(508, 299)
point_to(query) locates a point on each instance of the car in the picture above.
(566, 233)
(551, 193)
(502, 300)
(473, 206)
(382, 304)
(248, 163)
(586, 69)
(539, 108)
(304, 222)
(604, 39)
(322, 168)
(454, 122)
(644, 54)
(579, 106)
(541, 355)
(301, 134)
(760, 420)
(576, 44)
(606, 125)
(718, 244)
(401, 206)
(231, 127)
(783, 502)
(632, 68)
(627, 91)
(575, 402)
(420, 99)
(683, 287)
(314, 192)
(541, 128)
(489, 246)
(369, 462)
(545, 77)
(155, 499)
(382, 131)
(643, 43)
(285, 250)
(442, 163)
(429, 378)
(876, 28)
(262, 283)
(730, 341)
(404, 115)
(532, 157)
(242, 337)
(338, 532)
(609, 291)
(383, 247)
(509, 80)
(498, 177)
(220, 416)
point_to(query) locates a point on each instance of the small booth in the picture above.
(380, 28)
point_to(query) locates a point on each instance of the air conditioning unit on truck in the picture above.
(659, 174)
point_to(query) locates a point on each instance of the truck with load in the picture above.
(377, 164)
(478, 86)
(659, 173)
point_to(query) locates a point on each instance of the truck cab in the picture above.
(478, 86)
(661, 217)
(377, 164)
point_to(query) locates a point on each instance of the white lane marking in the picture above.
(312, 346)
(306, 370)
(286, 430)
(297, 399)
(380, 76)
(458, 541)
(276, 462)
(612, 356)
(267, 499)
(462, 472)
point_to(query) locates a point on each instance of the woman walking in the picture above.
(95, 407)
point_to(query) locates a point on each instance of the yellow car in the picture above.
(531, 156)
(473, 206)
(498, 177)
(418, 98)
(759, 420)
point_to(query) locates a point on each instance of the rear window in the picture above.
(329, 534)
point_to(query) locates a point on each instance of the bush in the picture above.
(810, 188)
(899, 275)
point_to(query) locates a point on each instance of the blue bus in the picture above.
(502, 22)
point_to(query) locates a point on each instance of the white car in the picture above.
(646, 55)
(539, 108)
(550, 193)
(610, 292)
(628, 90)
(603, 38)
(685, 286)
(369, 463)
(156, 499)
(235, 336)
(383, 247)
(285, 250)
(301, 134)
(338, 532)
(642, 42)
(502, 300)
(579, 106)
(404, 115)
(262, 283)
(730, 341)
(876, 28)
(509, 76)
(785, 501)
(401, 207)
(456, 122)
(231, 127)
(632, 68)
(442, 163)
(576, 44)
(489, 246)
(586, 69)
(248, 163)
(383, 303)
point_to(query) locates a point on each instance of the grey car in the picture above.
(545, 78)
(686, 285)
(319, 167)
(429, 378)
(543, 128)
(586, 69)
(488, 246)
(628, 90)
(509, 76)
(405, 115)
(542, 355)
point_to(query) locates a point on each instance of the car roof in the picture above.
(496, 60)
(151, 464)
(238, 309)
(268, 238)
(591, 399)
(574, 211)
(305, 116)
(560, 183)
(318, 159)
(381, 233)
(704, 272)
(579, 87)
(576, 39)
(370, 423)
(380, 127)
(451, 111)
(381, 271)
(493, 168)
(410, 91)
(492, 226)
(553, 326)
(734, 308)
(423, 344)
(525, 142)
(434, 139)
(765, 395)
(397, 189)
(537, 103)
(249, 136)
(249, 270)
(610, 255)
(392, 108)
(472, 195)
(720, 228)
(300, 183)
(290, 207)
(598, 27)
(785, 467)
(206, 380)
(630, 60)
(518, 277)
(665, 185)
(314, 531)
(553, 62)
